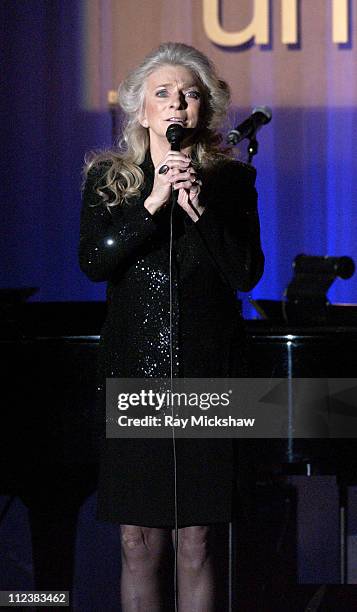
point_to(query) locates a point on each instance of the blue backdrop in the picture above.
(306, 166)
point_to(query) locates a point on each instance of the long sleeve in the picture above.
(229, 226)
(108, 239)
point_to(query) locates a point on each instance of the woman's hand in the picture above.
(189, 188)
(173, 165)
(188, 197)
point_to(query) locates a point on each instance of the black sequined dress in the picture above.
(220, 253)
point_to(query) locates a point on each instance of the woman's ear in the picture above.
(142, 120)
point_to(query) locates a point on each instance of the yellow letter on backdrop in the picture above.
(340, 21)
(289, 22)
(258, 28)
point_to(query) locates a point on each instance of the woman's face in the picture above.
(172, 96)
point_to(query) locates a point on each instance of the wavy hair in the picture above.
(124, 178)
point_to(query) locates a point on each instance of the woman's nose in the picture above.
(178, 100)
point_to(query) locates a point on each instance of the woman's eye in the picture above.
(162, 93)
(193, 94)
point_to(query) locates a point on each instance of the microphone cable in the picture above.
(174, 196)
(174, 199)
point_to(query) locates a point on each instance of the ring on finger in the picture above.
(164, 169)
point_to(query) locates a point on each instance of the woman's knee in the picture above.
(194, 549)
(143, 548)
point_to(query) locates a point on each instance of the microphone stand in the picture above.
(260, 116)
(252, 148)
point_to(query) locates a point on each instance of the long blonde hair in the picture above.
(124, 178)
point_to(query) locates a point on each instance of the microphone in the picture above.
(175, 134)
(261, 115)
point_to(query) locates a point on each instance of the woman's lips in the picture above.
(176, 120)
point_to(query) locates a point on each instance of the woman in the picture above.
(125, 238)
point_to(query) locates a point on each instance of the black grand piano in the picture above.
(48, 451)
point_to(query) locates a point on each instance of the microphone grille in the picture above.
(263, 110)
(175, 133)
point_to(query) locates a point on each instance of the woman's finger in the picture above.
(177, 155)
(174, 158)
(176, 172)
(172, 165)
(183, 185)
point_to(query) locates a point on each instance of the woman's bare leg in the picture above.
(196, 579)
(144, 552)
